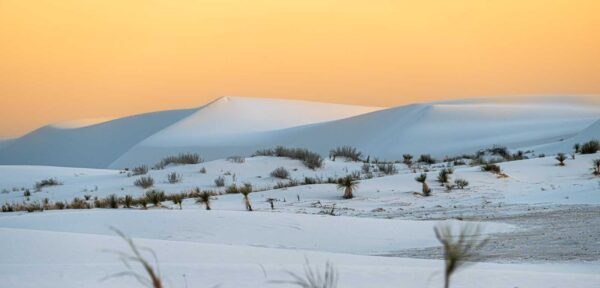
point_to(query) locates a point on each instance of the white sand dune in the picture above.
(237, 125)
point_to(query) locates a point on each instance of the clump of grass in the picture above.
(155, 197)
(387, 169)
(177, 199)
(345, 151)
(220, 181)
(26, 193)
(46, 183)
(232, 189)
(154, 279)
(144, 182)
(590, 147)
(128, 201)
(444, 176)
(313, 278)
(77, 203)
(280, 173)
(561, 157)
(309, 159)
(459, 249)
(203, 170)
(139, 170)
(461, 183)
(425, 191)
(173, 177)
(349, 185)
(493, 168)
(181, 159)
(236, 159)
(577, 147)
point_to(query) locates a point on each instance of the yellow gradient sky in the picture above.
(62, 59)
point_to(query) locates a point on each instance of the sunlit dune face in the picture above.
(69, 59)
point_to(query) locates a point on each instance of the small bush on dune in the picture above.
(387, 169)
(181, 159)
(493, 168)
(309, 159)
(590, 147)
(144, 182)
(232, 189)
(177, 199)
(561, 157)
(444, 175)
(155, 197)
(203, 170)
(128, 201)
(113, 201)
(577, 147)
(220, 181)
(461, 183)
(280, 173)
(26, 193)
(345, 151)
(173, 178)
(46, 183)
(236, 159)
(365, 168)
(140, 170)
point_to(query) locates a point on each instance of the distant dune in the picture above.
(237, 125)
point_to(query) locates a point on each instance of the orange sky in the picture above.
(63, 59)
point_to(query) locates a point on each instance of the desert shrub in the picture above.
(366, 168)
(345, 151)
(128, 201)
(520, 155)
(77, 203)
(35, 206)
(444, 176)
(309, 159)
(26, 193)
(155, 197)
(280, 173)
(577, 147)
(590, 147)
(139, 170)
(59, 205)
(596, 167)
(203, 170)
(236, 159)
(144, 182)
(427, 159)
(143, 201)
(387, 169)
(113, 201)
(220, 181)
(493, 168)
(561, 157)
(311, 180)
(181, 159)
(47, 182)
(407, 159)
(232, 189)
(245, 190)
(173, 178)
(461, 183)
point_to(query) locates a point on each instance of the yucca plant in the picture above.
(459, 249)
(443, 176)
(220, 181)
(113, 201)
(204, 199)
(128, 201)
(177, 199)
(349, 185)
(596, 167)
(246, 190)
(407, 159)
(173, 178)
(426, 191)
(561, 157)
(155, 197)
